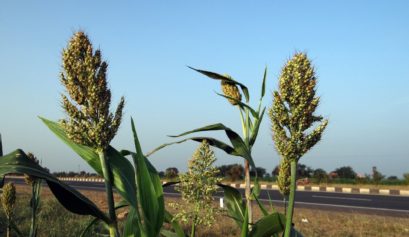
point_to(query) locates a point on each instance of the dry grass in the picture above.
(322, 223)
(316, 222)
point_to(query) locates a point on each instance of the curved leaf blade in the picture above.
(234, 204)
(150, 191)
(71, 199)
(212, 141)
(240, 148)
(253, 112)
(122, 170)
(268, 225)
(217, 76)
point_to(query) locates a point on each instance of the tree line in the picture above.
(344, 174)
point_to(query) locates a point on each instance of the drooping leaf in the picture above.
(167, 184)
(234, 204)
(122, 170)
(217, 76)
(71, 199)
(268, 225)
(240, 148)
(261, 206)
(213, 142)
(150, 191)
(243, 105)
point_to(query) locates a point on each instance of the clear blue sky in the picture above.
(360, 50)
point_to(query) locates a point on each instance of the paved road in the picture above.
(362, 203)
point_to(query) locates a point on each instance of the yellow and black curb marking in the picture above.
(395, 192)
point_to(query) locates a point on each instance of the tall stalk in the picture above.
(89, 121)
(248, 191)
(290, 209)
(247, 180)
(113, 227)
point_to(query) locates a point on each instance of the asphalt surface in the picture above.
(385, 205)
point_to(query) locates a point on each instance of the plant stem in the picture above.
(106, 170)
(192, 233)
(290, 209)
(8, 230)
(248, 190)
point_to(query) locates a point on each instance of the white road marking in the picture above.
(343, 206)
(343, 198)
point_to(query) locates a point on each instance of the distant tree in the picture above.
(223, 170)
(345, 172)
(406, 177)
(275, 171)
(393, 178)
(260, 172)
(376, 175)
(267, 176)
(320, 175)
(235, 172)
(304, 171)
(171, 172)
(161, 174)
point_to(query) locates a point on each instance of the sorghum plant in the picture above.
(292, 115)
(197, 187)
(240, 146)
(89, 121)
(8, 199)
(88, 130)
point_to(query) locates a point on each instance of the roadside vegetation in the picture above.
(55, 220)
(138, 207)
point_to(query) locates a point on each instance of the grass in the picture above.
(56, 221)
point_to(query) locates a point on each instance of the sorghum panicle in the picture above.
(89, 121)
(8, 199)
(231, 90)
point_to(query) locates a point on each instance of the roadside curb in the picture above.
(393, 192)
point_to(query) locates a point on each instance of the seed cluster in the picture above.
(89, 120)
(293, 109)
(231, 90)
(197, 187)
(8, 199)
(284, 177)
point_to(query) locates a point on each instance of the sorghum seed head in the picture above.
(231, 90)
(8, 199)
(28, 179)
